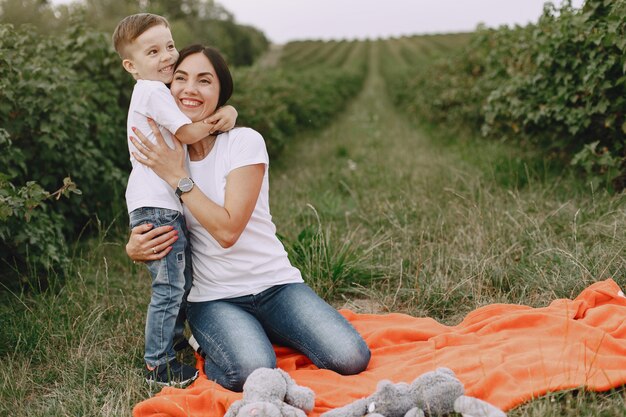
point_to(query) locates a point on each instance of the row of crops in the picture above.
(301, 55)
(300, 93)
(558, 85)
(63, 157)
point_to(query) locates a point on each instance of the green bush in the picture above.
(559, 84)
(281, 103)
(567, 87)
(62, 107)
(286, 100)
(204, 22)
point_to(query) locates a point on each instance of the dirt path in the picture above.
(271, 58)
(370, 147)
(370, 177)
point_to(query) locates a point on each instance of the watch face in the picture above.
(185, 184)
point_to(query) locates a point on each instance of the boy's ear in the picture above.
(129, 66)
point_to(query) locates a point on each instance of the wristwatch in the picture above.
(185, 185)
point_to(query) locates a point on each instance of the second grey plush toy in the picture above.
(432, 394)
(435, 392)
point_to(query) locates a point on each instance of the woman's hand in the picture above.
(223, 119)
(167, 163)
(148, 244)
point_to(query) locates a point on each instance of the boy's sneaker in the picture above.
(173, 374)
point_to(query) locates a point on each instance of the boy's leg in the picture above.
(167, 294)
(168, 289)
(180, 341)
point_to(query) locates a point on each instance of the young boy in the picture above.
(145, 44)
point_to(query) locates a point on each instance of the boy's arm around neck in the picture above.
(193, 132)
(222, 120)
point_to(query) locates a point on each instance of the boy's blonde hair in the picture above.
(131, 27)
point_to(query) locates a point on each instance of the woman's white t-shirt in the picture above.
(258, 260)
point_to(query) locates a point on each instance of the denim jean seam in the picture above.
(165, 358)
(160, 326)
(299, 344)
(303, 348)
(216, 346)
(168, 305)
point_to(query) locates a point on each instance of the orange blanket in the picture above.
(505, 354)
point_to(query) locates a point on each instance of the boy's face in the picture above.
(152, 55)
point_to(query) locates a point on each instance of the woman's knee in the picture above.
(237, 375)
(351, 361)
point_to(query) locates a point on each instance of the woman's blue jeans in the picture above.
(237, 333)
(171, 281)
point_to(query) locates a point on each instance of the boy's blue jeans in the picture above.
(171, 281)
(237, 333)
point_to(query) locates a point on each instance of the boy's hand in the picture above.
(223, 119)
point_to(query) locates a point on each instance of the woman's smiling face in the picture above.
(195, 87)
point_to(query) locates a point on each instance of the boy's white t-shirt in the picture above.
(151, 99)
(258, 260)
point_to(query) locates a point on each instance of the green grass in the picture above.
(76, 350)
(381, 214)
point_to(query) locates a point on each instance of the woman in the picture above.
(245, 293)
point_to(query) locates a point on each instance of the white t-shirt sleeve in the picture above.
(247, 148)
(158, 104)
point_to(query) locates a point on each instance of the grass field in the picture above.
(381, 214)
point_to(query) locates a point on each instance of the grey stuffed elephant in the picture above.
(272, 393)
